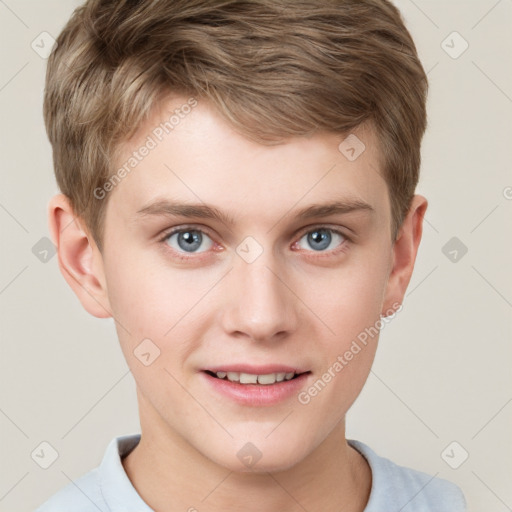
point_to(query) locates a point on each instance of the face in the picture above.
(269, 284)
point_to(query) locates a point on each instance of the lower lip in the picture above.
(257, 394)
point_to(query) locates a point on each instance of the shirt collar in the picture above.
(116, 488)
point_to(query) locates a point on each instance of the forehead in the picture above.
(192, 153)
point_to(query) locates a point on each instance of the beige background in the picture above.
(443, 369)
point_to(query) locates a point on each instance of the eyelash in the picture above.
(195, 256)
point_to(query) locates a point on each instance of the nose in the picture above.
(259, 304)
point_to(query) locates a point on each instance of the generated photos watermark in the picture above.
(361, 341)
(157, 135)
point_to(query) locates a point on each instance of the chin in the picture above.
(262, 456)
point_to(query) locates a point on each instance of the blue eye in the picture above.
(188, 240)
(320, 238)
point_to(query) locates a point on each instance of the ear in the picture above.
(80, 260)
(404, 251)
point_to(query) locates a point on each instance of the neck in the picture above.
(170, 475)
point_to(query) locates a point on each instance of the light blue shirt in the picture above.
(395, 488)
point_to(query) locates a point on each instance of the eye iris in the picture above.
(192, 240)
(320, 235)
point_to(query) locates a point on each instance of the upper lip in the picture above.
(255, 370)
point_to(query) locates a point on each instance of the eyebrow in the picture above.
(164, 207)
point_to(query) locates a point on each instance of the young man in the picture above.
(238, 186)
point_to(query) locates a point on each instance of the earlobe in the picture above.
(404, 253)
(80, 260)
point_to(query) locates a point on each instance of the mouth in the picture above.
(264, 379)
(256, 386)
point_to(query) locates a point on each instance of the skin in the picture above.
(293, 305)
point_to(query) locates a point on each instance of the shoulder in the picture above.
(81, 495)
(407, 489)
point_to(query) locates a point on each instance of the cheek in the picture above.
(350, 299)
(150, 307)
(350, 309)
(152, 301)
(146, 296)
(347, 349)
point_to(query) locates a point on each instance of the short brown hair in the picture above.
(272, 68)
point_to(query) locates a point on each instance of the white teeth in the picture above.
(267, 379)
(249, 378)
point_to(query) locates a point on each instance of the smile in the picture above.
(256, 386)
(250, 378)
